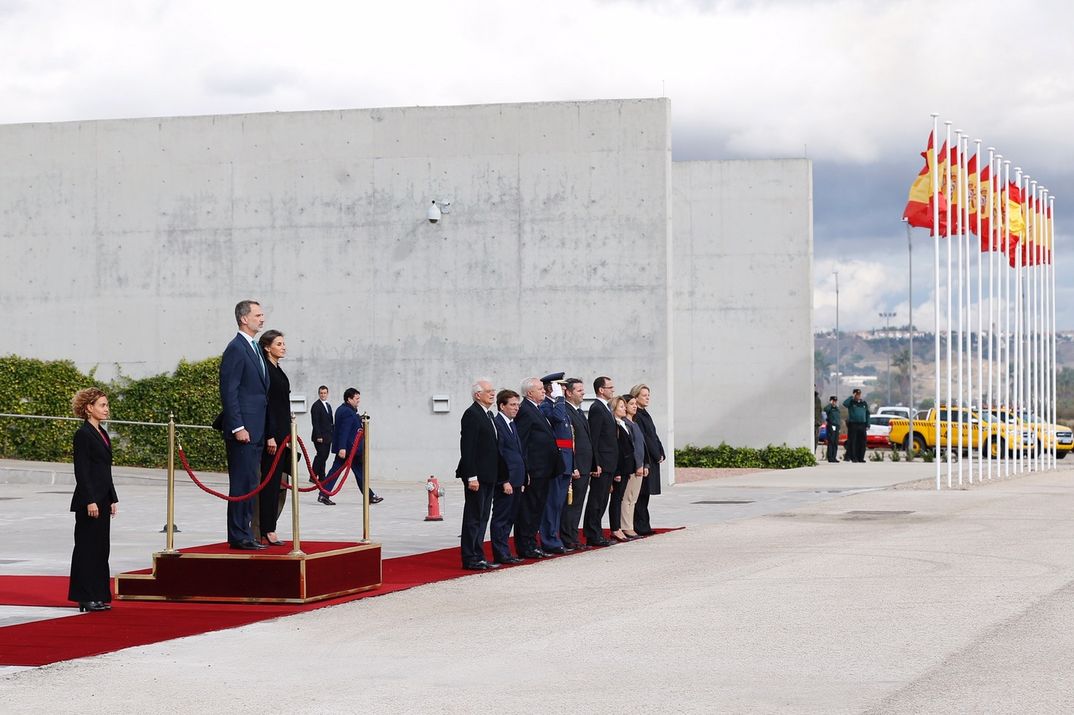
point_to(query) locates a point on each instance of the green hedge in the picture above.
(770, 457)
(36, 387)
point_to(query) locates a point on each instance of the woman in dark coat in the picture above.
(277, 426)
(626, 467)
(654, 450)
(94, 503)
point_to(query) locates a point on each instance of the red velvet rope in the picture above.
(244, 497)
(345, 468)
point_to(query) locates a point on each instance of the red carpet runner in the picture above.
(133, 623)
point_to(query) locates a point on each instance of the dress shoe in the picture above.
(509, 561)
(325, 500)
(558, 550)
(481, 566)
(534, 554)
(648, 532)
(92, 606)
(598, 544)
(582, 547)
(375, 499)
(621, 538)
(248, 545)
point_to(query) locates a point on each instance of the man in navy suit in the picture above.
(542, 460)
(509, 489)
(346, 429)
(244, 385)
(602, 432)
(479, 469)
(584, 465)
(321, 416)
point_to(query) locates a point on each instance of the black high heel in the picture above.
(92, 606)
(270, 542)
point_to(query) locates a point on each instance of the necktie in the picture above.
(493, 421)
(260, 359)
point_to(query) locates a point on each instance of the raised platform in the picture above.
(215, 572)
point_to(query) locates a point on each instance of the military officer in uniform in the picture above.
(554, 409)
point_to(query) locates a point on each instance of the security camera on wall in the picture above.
(433, 213)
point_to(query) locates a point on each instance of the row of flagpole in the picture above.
(954, 196)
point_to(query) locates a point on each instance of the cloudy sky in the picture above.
(850, 84)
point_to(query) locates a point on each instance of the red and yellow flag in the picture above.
(989, 206)
(1016, 223)
(919, 205)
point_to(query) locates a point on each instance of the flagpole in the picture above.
(947, 317)
(1019, 306)
(1034, 344)
(992, 225)
(1051, 270)
(1028, 366)
(959, 403)
(980, 315)
(910, 310)
(966, 413)
(1006, 452)
(936, 291)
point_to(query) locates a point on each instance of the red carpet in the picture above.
(133, 623)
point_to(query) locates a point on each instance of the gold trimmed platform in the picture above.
(216, 573)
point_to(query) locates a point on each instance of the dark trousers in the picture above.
(856, 441)
(323, 448)
(615, 504)
(89, 560)
(641, 510)
(596, 505)
(475, 517)
(530, 511)
(243, 472)
(832, 451)
(572, 513)
(504, 514)
(553, 510)
(270, 500)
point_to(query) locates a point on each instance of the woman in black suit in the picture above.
(271, 500)
(94, 496)
(618, 407)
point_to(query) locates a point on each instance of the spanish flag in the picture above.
(988, 205)
(1016, 223)
(919, 205)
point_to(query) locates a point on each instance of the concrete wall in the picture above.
(743, 287)
(128, 242)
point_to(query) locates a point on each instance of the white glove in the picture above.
(557, 390)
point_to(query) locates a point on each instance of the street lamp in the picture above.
(887, 332)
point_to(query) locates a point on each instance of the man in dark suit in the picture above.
(244, 385)
(346, 429)
(602, 432)
(654, 450)
(479, 469)
(542, 461)
(508, 493)
(321, 416)
(584, 464)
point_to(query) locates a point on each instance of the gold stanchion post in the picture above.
(365, 479)
(169, 523)
(296, 542)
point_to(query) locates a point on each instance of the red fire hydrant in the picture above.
(435, 492)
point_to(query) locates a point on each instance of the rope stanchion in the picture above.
(344, 469)
(244, 497)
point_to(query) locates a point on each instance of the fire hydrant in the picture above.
(435, 492)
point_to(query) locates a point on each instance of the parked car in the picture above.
(894, 411)
(879, 428)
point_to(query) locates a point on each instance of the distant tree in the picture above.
(900, 364)
(822, 369)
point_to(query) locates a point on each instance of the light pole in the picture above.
(838, 371)
(887, 332)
